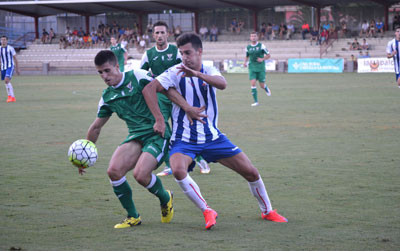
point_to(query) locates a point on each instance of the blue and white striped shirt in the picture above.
(6, 54)
(198, 94)
(394, 45)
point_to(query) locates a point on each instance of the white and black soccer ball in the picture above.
(82, 153)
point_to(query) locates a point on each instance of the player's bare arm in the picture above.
(95, 128)
(218, 82)
(192, 113)
(245, 61)
(390, 55)
(150, 95)
(16, 65)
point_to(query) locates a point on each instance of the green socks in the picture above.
(124, 194)
(254, 93)
(155, 187)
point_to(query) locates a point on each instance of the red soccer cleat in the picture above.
(210, 217)
(274, 216)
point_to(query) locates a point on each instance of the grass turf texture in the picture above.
(326, 146)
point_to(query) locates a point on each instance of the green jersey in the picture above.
(127, 101)
(119, 52)
(253, 52)
(159, 61)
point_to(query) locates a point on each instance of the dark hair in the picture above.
(254, 32)
(105, 56)
(4, 36)
(160, 23)
(190, 37)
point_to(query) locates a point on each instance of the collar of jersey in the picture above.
(162, 50)
(120, 83)
(254, 45)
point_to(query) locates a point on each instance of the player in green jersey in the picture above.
(143, 150)
(120, 53)
(256, 54)
(158, 59)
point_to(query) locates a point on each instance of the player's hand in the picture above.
(81, 170)
(244, 65)
(196, 113)
(260, 60)
(17, 71)
(187, 72)
(394, 52)
(159, 127)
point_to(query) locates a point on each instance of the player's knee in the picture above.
(252, 174)
(114, 174)
(179, 172)
(140, 177)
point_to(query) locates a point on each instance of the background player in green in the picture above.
(158, 59)
(143, 150)
(120, 53)
(256, 54)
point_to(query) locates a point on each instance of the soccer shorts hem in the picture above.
(260, 76)
(7, 73)
(220, 148)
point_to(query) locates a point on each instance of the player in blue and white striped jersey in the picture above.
(393, 51)
(8, 63)
(195, 127)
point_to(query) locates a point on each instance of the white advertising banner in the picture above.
(375, 65)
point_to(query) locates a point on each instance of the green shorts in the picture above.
(257, 75)
(153, 144)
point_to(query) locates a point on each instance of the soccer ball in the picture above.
(82, 153)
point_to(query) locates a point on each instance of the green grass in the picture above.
(326, 145)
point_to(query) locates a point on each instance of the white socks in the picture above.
(257, 188)
(192, 191)
(10, 90)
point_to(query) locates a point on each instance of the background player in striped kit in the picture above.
(392, 51)
(8, 63)
(198, 84)
(158, 59)
(256, 54)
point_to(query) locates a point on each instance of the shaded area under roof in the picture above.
(91, 7)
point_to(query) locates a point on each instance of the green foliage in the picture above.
(326, 146)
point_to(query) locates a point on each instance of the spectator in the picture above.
(67, 32)
(355, 45)
(263, 31)
(234, 26)
(214, 33)
(326, 26)
(354, 60)
(240, 26)
(332, 30)
(290, 31)
(177, 32)
(63, 43)
(314, 36)
(142, 46)
(365, 45)
(45, 36)
(324, 37)
(52, 35)
(282, 30)
(203, 32)
(372, 28)
(364, 28)
(75, 32)
(275, 31)
(150, 27)
(269, 32)
(343, 30)
(379, 27)
(305, 28)
(81, 33)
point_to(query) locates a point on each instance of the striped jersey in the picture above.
(197, 93)
(7, 60)
(393, 45)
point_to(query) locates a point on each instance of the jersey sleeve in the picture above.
(389, 48)
(103, 110)
(144, 64)
(169, 78)
(143, 77)
(264, 49)
(12, 51)
(247, 52)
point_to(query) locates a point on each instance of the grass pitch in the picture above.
(326, 146)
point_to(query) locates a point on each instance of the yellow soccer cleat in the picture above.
(129, 222)
(167, 211)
